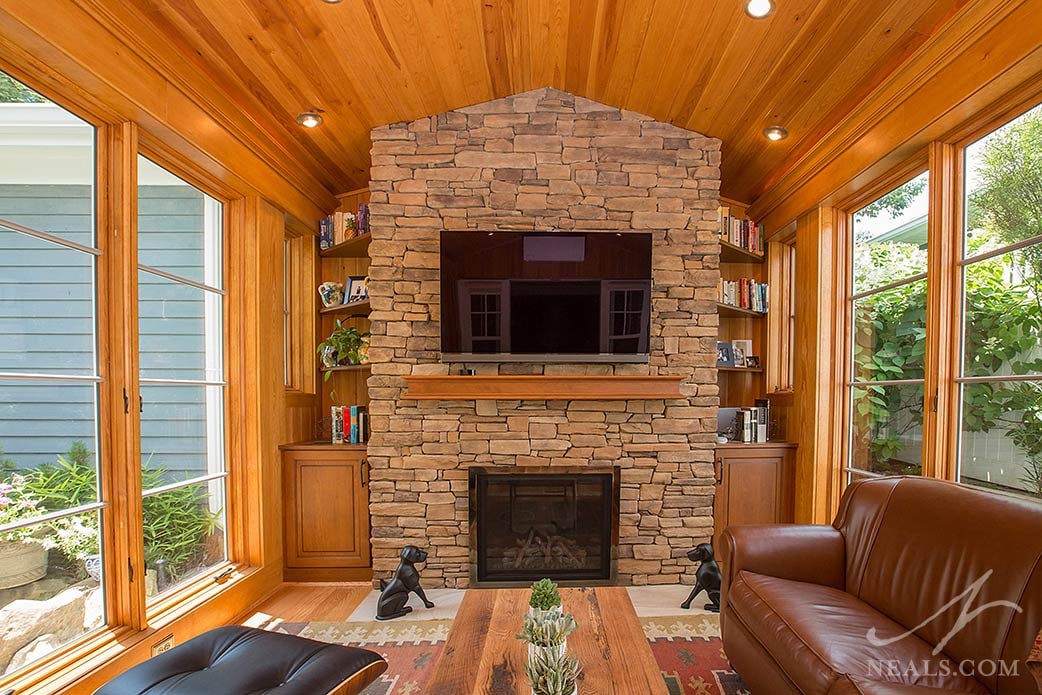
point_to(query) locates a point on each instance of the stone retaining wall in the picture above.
(542, 160)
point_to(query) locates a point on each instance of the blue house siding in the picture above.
(45, 326)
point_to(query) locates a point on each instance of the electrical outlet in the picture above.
(163, 645)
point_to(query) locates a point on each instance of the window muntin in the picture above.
(50, 504)
(888, 332)
(181, 326)
(999, 389)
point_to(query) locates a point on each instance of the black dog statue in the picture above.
(395, 593)
(707, 578)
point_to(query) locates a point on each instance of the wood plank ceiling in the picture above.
(700, 64)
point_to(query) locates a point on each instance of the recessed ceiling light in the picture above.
(758, 9)
(310, 119)
(775, 133)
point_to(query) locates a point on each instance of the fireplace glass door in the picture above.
(530, 526)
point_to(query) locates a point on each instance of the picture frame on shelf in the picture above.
(752, 361)
(724, 354)
(356, 289)
(741, 349)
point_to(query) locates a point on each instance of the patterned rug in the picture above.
(687, 648)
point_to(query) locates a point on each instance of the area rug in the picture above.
(687, 648)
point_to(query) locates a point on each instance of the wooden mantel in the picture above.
(532, 388)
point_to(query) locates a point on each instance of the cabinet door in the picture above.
(327, 515)
(754, 486)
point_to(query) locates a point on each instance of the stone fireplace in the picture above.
(526, 524)
(542, 160)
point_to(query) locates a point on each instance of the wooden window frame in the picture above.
(780, 355)
(299, 273)
(128, 620)
(944, 159)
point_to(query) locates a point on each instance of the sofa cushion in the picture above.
(817, 634)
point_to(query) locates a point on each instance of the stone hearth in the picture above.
(542, 160)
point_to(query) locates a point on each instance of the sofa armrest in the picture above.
(815, 554)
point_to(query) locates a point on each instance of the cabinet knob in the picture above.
(363, 478)
(719, 471)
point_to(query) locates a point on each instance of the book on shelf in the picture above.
(745, 234)
(350, 424)
(751, 424)
(343, 226)
(744, 293)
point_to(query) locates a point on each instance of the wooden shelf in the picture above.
(321, 445)
(738, 312)
(347, 368)
(542, 388)
(729, 253)
(354, 308)
(751, 370)
(772, 444)
(352, 248)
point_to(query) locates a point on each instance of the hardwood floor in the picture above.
(297, 603)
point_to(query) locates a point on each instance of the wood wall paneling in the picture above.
(819, 378)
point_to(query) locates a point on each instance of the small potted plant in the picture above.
(549, 630)
(23, 555)
(553, 673)
(345, 345)
(545, 597)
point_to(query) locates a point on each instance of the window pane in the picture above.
(1003, 185)
(184, 533)
(46, 166)
(1004, 314)
(179, 226)
(47, 569)
(887, 429)
(47, 438)
(1001, 444)
(46, 307)
(890, 334)
(182, 433)
(176, 321)
(890, 236)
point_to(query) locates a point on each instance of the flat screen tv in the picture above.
(545, 296)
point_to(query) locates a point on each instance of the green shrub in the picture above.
(176, 523)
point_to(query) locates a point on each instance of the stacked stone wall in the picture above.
(542, 160)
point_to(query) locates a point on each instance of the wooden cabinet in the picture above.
(327, 513)
(755, 484)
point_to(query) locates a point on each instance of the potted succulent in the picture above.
(23, 555)
(552, 672)
(345, 345)
(545, 597)
(549, 630)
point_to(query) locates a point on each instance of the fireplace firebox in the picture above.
(557, 523)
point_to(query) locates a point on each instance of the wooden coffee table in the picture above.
(483, 656)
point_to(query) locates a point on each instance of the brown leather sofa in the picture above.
(800, 602)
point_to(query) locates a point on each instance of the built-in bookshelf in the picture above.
(742, 305)
(346, 255)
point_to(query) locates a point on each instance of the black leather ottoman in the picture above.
(236, 660)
